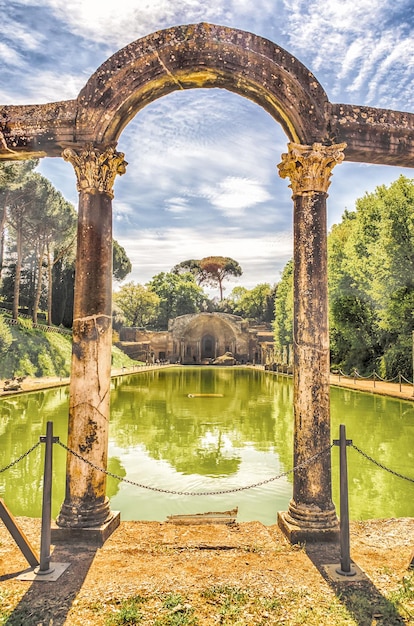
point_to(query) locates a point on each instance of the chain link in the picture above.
(198, 493)
(20, 457)
(387, 469)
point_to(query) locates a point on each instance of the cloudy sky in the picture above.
(202, 176)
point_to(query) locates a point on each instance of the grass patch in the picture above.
(128, 614)
(37, 354)
(403, 596)
(175, 611)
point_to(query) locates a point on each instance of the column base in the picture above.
(317, 528)
(79, 514)
(93, 536)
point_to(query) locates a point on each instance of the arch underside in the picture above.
(206, 56)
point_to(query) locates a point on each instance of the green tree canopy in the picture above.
(283, 324)
(121, 265)
(215, 269)
(256, 304)
(371, 284)
(138, 303)
(179, 294)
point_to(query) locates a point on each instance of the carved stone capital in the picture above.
(95, 169)
(310, 167)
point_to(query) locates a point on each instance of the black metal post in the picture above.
(46, 532)
(345, 568)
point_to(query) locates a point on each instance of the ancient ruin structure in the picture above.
(320, 135)
(199, 339)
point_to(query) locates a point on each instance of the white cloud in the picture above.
(102, 20)
(234, 195)
(122, 210)
(261, 257)
(351, 42)
(9, 56)
(119, 24)
(45, 86)
(177, 205)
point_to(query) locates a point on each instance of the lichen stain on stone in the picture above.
(77, 350)
(91, 328)
(91, 436)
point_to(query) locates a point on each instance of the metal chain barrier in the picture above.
(199, 493)
(209, 493)
(374, 376)
(20, 457)
(387, 469)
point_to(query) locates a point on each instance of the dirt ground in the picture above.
(205, 565)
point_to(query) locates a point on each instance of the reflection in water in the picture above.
(161, 437)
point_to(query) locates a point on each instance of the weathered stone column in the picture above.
(311, 513)
(86, 504)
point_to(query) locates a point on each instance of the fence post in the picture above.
(345, 568)
(46, 532)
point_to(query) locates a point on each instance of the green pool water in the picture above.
(237, 432)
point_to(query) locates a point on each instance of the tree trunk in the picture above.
(2, 230)
(16, 293)
(49, 286)
(38, 291)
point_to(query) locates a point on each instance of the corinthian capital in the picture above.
(310, 167)
(95, 169)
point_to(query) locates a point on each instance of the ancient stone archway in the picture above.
(321, 134)
(205, 336)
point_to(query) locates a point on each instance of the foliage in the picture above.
(211, 270)
(36, 353)
(38, 245)
(6, 337)
(215, 269)
(138, 304)
(191, 266)
(371, 285)
(283, 324)
(129, 612)
(371, 273)
(178, 295)
(122, 266)
(256, 304)
(40, 227)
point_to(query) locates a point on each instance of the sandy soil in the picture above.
(151, 558)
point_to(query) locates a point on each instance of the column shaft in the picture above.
(85, 502)
(311, 513)
(312, 484)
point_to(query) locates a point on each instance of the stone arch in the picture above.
(201, 56)
(210, 335)
(205, 55)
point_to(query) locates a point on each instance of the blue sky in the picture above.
(202, 177)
